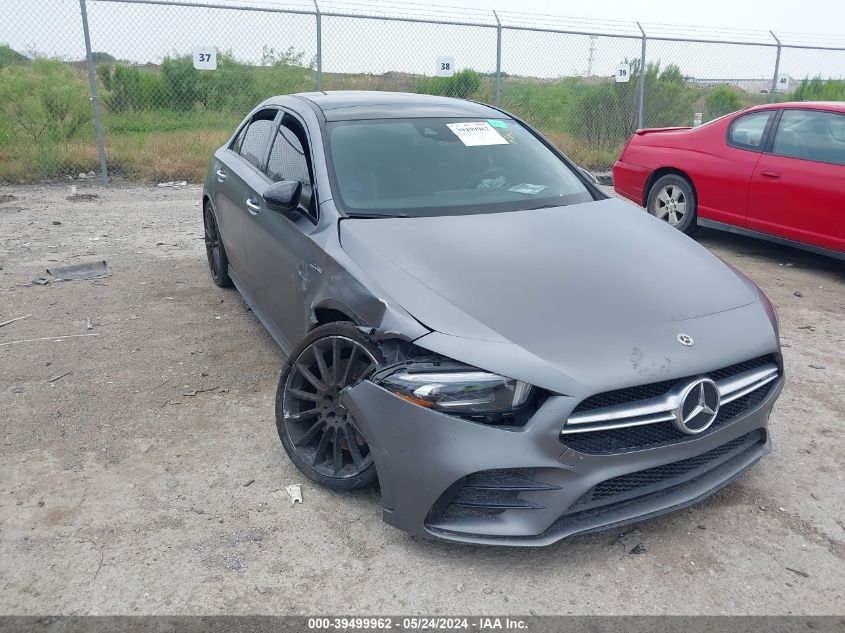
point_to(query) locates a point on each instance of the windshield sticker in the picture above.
(476, 133)
(526, 188)
(498, 123)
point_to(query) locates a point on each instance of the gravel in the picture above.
(121, 495)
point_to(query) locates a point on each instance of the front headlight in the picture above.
(458, 389)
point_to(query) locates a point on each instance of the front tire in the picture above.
(319, 434)
(672, 199)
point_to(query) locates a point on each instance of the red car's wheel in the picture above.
(672, 199)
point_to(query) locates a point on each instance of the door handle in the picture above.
(221, 175)
(773, 175)
(252, 206)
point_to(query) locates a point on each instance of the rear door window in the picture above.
(749, 131)
(251, 143)
(811, 135)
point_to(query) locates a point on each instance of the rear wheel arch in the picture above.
(665, 171)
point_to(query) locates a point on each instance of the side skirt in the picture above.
(719, 226)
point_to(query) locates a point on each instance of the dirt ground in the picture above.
(140, 470)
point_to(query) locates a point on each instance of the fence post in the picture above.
(498, 60)
(95, 100)
(777, 70)
(642, 79)
(319, 48)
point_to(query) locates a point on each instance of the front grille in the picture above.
(657, 389)
(637, 484)
(655, 435)
(625, 396)
(632, 437)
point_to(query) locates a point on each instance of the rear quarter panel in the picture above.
(720, 174)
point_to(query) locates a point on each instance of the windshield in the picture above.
(416, 167)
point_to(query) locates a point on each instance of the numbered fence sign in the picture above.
(782, 83)
(623, 73)
(445, 66)
(205, 58)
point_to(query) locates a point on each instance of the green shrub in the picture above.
(460, 85)
(100, 57)
(818, 89)
(127, 88)
(721, 101)
(44, 100)
(605, 114)
(9, 56)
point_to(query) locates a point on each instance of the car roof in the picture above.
(838, 106)
(343, 105)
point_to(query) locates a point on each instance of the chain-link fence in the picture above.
(169, 80)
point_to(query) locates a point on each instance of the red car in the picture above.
(773, 171)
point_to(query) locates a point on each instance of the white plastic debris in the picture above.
(176, 184)
(295, 493)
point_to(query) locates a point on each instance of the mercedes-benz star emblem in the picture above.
(685, 339)
(698, 408)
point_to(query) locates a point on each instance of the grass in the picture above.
(46, 130)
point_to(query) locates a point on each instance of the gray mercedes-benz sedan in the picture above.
(466, 318)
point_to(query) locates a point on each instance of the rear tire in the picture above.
(672, 199)
(319, 434)
(218, 263)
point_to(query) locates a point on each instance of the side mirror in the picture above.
(283, 196)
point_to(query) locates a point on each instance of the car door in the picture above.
(283, 259)
(798, 188)
(723, 184)
(226, 194)
(239, 169)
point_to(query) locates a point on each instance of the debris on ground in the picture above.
(88, 324)
(248, 483)
(20, 318)
(82, 197)
(59, 376)
(295, 493)
(632, 542)
(798, 293)
(176, 184)
(799, 572)
(55, 339)
(816, 366)
(86, 270)
(171, 483)
(186, 391)
(40, 281)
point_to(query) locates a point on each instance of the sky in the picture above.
(825, 17)
(145, 33)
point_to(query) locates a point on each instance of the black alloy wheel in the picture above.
(319, 434)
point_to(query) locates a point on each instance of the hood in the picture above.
(539, 278)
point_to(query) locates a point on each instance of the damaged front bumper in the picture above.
(454, 479)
